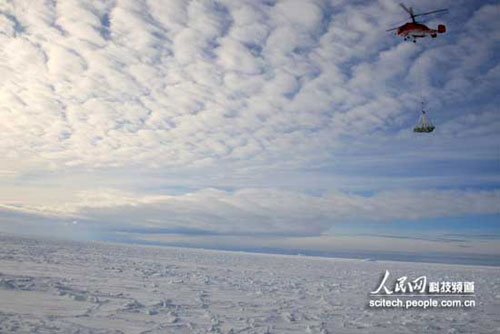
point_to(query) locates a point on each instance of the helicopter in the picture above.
(413, 30)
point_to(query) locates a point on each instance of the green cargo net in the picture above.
(424, 124)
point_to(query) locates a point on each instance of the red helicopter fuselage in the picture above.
(416, 30)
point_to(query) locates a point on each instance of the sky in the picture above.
(251, 124)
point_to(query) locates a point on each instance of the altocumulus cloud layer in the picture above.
(242, 116)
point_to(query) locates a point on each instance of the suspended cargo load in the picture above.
(424, 124)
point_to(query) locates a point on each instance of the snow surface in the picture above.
(51, 286)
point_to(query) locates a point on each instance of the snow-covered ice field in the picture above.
(75, 287)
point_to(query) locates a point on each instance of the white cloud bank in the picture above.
(261, 211)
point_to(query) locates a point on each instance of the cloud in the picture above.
(107, 106)
(262, 211)
(181, 83)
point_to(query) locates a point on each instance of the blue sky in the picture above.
(284, 124)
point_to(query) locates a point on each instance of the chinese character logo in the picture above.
(403, 285)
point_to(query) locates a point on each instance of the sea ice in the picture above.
(75, 287)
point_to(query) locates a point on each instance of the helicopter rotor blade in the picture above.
(432, 12)
(408, 10)
(392, 29)
(398, 23)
